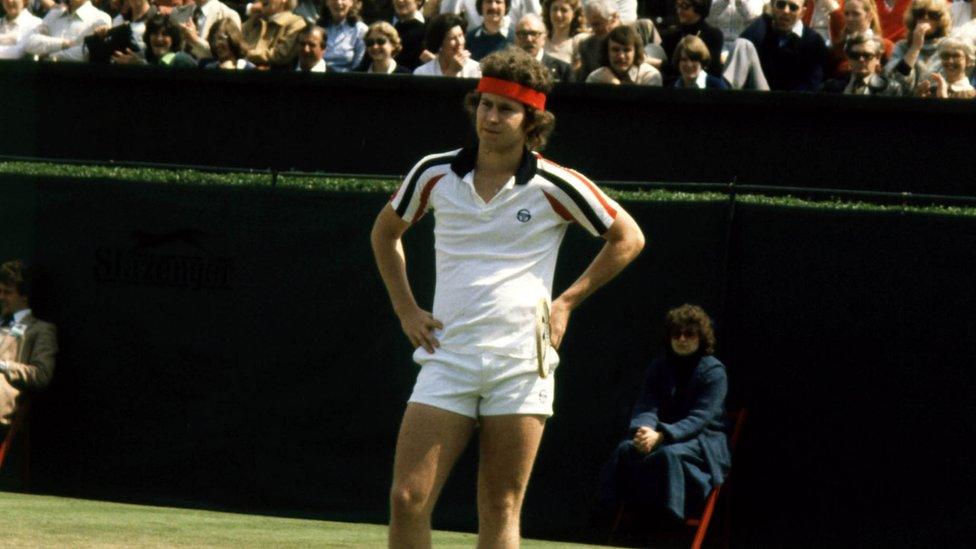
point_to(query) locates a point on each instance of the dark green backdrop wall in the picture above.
(246, 356)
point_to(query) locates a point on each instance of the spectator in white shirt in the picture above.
(516, 9)
(311, 49)
(61, 34)
(445, 37)
(732, 17)
(16, 26)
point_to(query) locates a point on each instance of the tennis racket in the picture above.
(542, 337)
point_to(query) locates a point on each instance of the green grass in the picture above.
(48, 521)
(321, 183)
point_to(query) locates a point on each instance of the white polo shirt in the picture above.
(495, 260)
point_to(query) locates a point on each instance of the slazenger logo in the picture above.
(174, 260)
(523, 215)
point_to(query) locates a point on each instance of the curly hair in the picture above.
(15, 273)
(514, 65)
(162, 23)
(694, 317)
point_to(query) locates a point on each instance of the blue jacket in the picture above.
(790, 63)
(698, 413)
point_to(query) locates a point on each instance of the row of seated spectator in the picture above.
(789, 45)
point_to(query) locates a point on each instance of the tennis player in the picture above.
(501, 212)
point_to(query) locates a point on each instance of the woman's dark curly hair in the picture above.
(693, 317)
(514, 65)
(162, 23)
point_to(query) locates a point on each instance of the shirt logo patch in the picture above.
(543, 396)
(523, 215)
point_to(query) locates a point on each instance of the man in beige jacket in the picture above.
(27, 345)
(272, 36)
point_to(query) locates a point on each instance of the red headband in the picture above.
(514, 91)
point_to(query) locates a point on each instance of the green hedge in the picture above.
(316, 182)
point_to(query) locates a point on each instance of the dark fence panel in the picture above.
(349, 123)
(246, 356)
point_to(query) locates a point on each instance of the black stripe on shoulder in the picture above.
(573, 193)
(412, 184)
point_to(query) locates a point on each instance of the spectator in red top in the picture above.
(893, 18)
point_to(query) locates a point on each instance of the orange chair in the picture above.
(700, 524)
(20, 426)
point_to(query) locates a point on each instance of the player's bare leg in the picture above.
(508, 446)
(429, 443)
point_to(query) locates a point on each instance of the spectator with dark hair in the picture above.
(311, 49)
(792, 55)
(733, 16)
(915, 58)
(17, 24)
(495, 31)
(271, 35)
(530, 35)
(623, 61)
(565, 23)
(676, 451)
(411, 27)
(382, 45)
(227, 46)
(445, 37)
(951, 81)
(472, 13)
(860, 17)
(163, 42)
(691, 22)
(61, 34)
(864, 53)
(136, 14)
(603, 16)
(200, 18)
(691, 56)
(345, 49)
(28, 346)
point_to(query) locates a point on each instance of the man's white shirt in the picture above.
(495, 260)
(58, 25)
(14, 33)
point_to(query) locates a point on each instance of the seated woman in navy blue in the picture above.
(691, 57)
(677, 450)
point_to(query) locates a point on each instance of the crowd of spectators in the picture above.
(871, 47)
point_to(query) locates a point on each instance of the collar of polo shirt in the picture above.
(465, 161)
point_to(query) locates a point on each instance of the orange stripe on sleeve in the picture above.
(424, 196)
(596, 192)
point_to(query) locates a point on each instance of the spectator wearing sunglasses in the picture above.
(859, 17)
(382, 46)
(863, 54)
(691, 22)
(917, 57)
(951, 81)
(676, 449)
(792, 55)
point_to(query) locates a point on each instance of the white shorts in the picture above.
(483, 385)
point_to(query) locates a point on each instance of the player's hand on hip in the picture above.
(419, 326)
(558, 320)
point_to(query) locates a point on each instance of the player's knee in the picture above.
(408, 501)
(501, 504)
